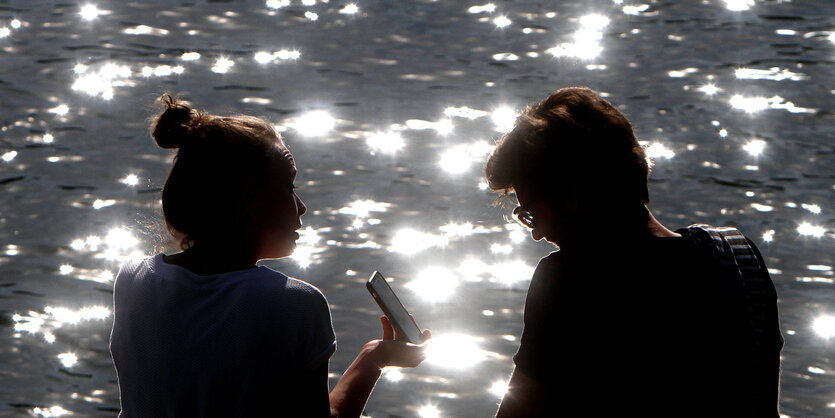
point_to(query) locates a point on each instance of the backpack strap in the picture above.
(742, 274)
(742, 265)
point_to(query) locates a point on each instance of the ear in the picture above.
(570, 203)
(250, 196)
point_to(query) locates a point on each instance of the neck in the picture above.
(212, 258)
(627, 224)
(656, 229)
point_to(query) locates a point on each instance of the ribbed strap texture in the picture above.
(740, 264)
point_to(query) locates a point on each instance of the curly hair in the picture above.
(573, 140)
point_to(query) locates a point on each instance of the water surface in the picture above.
(390, 110)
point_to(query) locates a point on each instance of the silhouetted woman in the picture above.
(628, 317)
(206, 332)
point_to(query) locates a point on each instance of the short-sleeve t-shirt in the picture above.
(229, 344)
(646, 328)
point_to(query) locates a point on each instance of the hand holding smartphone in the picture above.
(397, 314)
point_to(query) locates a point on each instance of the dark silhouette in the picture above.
(628, 317)
(206, 332)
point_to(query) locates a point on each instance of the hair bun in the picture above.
(171, 127)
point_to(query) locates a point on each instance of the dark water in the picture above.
(390, 111)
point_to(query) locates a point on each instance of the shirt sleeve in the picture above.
(319, 342)
(536, 350)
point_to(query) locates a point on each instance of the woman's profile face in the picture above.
(277, 209)
(548, 222)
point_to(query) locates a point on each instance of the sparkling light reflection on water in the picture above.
(391, 112)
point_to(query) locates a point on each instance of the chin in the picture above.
(278, 253)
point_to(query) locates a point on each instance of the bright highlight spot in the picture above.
(762, 208)
(392, 373)
(749, 104)
(824, 326)
(429, 411)
(308, 236)
(682, 73)
(222, 65)
(363, 208)
(503, 118)
(190, 56)
(594, 22)
(455, 230)
(455, 351)
(102, 82)
(709, 89)
(754, 147)
(442, 127)
(98, 203)
(287, 54)
(635, 10)
(658, 150)
(738, 5)
(386, 142)
(756, 104)
(502, 21)
(508, 273)
(464, 112)
(130, 180)
(60, 110)
(486, 8)
(773, 73)
(814, 208)
(314, 123)
(807, 229)
(819, 267)
(277, 4)
(587, 39)
(53, 411)
(9, 156)
(506, 56)
(460, 158)
(264, 57)
(497, 248)
(499, 388)
(68, 359)
(146, 30)
(90, 12)
(410, 241)
(120, 238)
(434, 284)
(349, 9)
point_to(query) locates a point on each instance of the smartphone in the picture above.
(394, 310)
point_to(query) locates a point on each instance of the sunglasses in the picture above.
(524, 217)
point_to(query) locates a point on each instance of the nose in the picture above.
(300, 207)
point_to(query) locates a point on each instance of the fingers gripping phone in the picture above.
(394, 310)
